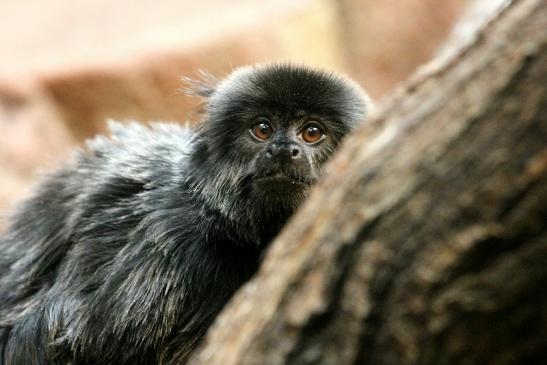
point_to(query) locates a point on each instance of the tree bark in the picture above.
(426, 242)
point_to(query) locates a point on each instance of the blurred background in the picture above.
(68, 66)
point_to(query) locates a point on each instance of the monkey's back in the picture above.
(98, 263)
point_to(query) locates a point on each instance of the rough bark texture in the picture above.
(426, 243)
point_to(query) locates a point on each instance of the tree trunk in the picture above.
(426, 242)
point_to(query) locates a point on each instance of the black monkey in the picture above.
(127, 255)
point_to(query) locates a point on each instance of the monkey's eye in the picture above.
(311, 133)
(262, 130)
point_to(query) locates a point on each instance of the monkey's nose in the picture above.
(284, 151)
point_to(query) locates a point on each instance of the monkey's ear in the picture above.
(203, 85)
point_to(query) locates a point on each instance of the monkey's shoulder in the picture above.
(153, 140)
(133, 151)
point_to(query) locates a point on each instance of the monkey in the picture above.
(127, 253)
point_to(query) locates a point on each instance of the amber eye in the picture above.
(262, 129)
(311, 133)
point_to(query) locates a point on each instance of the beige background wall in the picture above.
(66, 67)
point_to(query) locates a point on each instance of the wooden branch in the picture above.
(426, 243)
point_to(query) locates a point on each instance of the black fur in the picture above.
(127, 255)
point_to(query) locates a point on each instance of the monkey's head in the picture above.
(269, 129)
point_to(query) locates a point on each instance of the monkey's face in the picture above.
(272, 128)
(287, 153)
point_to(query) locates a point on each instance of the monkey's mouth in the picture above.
(281, 181)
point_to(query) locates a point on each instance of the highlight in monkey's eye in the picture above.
(311, 133)
(262, 129)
